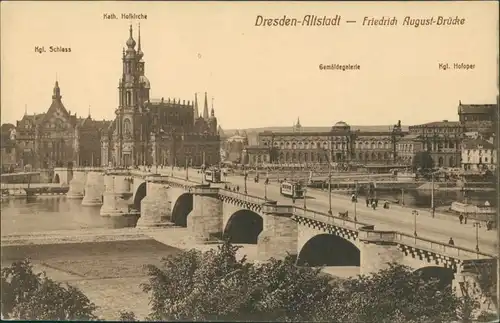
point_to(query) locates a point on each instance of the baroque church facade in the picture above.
(162, 131)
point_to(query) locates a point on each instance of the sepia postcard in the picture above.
(250, 161)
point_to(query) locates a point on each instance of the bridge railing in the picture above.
(367, 232)
(243, 197)
(329, 219)
(440, 247)
(183, 180)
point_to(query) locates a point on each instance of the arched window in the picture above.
(129, 98)
(127, 126)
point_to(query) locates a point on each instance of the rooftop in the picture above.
(476, 108)
(476, 143)
(444, 123)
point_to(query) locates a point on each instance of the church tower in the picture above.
(133, 92)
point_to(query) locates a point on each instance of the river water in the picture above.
(50, 213)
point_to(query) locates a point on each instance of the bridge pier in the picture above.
(280, 233)
(77, 184)
(206, 218)
(94, 188)
(116, 195)
(377, 250)
(154, 207)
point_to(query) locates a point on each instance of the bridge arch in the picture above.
(140, 193)
(182, 207)
(444, 275)
(244, 226)
(328, 250)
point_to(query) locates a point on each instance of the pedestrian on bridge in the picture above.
(238, 188)
(461, 218)
(465, 219)
(451, 242)
(367, 202)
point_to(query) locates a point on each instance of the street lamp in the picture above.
(187, 170)
(415, 213)
(433, 208)
(477, 224)
(245, 177)
(329, 188)
(355, 200)
(305, 198)
(265, 186)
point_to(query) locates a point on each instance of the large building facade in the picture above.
(156, 132)
(57, 137)
(339, 145)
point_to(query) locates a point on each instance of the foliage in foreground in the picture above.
(216, 286)
(30, 296)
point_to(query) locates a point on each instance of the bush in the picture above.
(30, 296)
(216, 286)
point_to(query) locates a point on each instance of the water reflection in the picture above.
(49, 213)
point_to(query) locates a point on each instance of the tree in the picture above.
(216, 286)
(423, 160)
(396, 294)
(30, 296)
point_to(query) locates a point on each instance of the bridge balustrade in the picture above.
(329, 219)
(242, 196)
(439, 247)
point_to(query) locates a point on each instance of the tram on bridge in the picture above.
(213, 175)
(292, 189)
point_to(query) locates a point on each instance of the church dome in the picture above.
(341, 124)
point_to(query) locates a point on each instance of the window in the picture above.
(129, 98)
(127, 126)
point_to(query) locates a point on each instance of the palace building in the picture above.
(156, 131)
(339, 145)
(57, 137)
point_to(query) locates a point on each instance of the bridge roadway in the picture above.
(396, 218)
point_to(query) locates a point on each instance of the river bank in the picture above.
(106, 264)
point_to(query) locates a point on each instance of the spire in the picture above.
(57, 92)
(25, 109)
(196, 112)
(212, 112)
(298, 122)
(139, 51)
(130, 41)
(89, 113)
(205, 108)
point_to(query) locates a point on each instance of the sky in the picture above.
(257, 76)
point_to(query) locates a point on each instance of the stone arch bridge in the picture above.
(316, 238)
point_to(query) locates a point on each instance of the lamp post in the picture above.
(305, 198)
(415, 213)
(187, 170)
(355, 200)
(432, 195)
(245, 177)
(265, 186)
(329, 188)
(477, 225)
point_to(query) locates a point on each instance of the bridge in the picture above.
(263, 217)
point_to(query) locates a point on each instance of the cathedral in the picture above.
(162, 131)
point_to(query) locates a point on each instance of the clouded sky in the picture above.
(258, 76)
